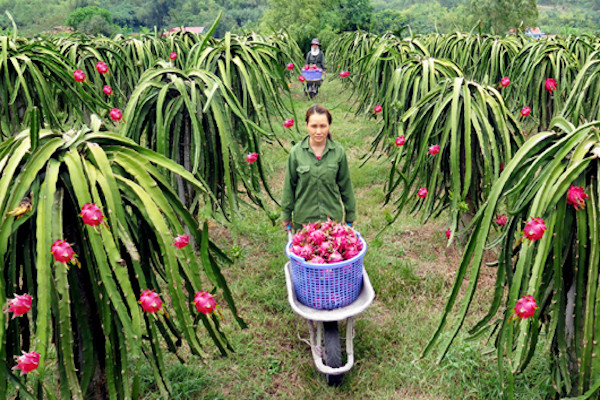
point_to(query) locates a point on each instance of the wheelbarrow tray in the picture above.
(364, 300)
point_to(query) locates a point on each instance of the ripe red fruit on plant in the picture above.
(377, 109)
(173, 55)
(525, 111)
(79, 75)
(115, 114)
(27, 362)
(150, 301)
(301, 78)
(550, 85)
(107, 90)
(505, 81)
(525, 307)
(344, 74)
(252, 157)
(501, 167)
(400, 140)
(19, 305)
(288, 123)
(448, 233)
(205, 302)
(576, 197)
(101, 67)
(181, 241)
(501, 220)
(535, 229)
(62, 251)
(422, 193)
(433, 150)
(290, 66)
(91, 214)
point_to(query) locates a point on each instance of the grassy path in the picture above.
(411, 270)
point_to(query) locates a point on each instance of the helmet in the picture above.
(315, 41)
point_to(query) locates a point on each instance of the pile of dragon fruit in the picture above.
(326, 242)
(311, 68)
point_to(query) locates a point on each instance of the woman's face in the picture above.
(315, 47)
(318, 128)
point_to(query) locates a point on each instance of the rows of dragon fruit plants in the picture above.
(231, 89)
(535, 185)
(485, 59)
(395, 75)
(98, 200)
(544, 209)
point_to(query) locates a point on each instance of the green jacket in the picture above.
(316, 189)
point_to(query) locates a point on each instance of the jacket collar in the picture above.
(330, 144)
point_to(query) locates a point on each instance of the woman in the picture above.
(317, 177)
(315, 57)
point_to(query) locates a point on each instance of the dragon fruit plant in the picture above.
(101, 197)
(548, 246)
(326, 242)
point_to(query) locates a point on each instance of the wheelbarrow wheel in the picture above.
(333, 351)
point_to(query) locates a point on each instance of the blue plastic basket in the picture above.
(327, 286)
(312, 74)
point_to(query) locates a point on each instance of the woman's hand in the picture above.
(287, 225)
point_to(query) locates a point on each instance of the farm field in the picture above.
(141, 235)
(411, 270)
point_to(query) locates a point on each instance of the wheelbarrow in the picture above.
(324, 330)
(313, 79)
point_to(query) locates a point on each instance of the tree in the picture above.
(498, 16)
(79, 15)
(96, 25)
(304, 19)
(356, 13)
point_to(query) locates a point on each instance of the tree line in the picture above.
(303, 19)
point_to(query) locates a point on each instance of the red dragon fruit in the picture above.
(335, 257)
(350, 252)
(62, 251)
(181, 241)
(525, 307)
(205, 302)
(27, 362)
(576, 197)
(307, 251)
(79, 75)
(317, 260)
(101, 67)
(252, 157)
(550, 85)
(150, 301)
(115, 114)
(290, 66)
(535, 229)
(504, 82)
(317, 237)
(19, 305)
(91, 214)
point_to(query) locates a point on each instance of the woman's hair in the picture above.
(319, 109)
